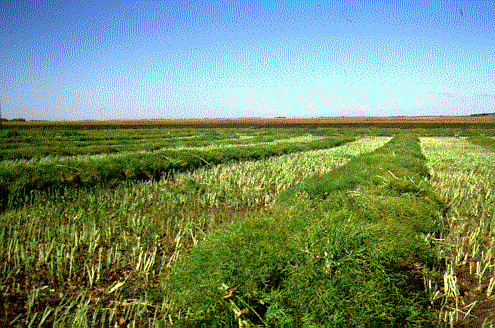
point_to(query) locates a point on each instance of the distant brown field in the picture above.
(276, 121)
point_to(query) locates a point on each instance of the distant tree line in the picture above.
(12, 120)
(483, 114)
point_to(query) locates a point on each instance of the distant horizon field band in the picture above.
(473, 118)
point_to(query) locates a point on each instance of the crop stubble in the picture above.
(463, 175)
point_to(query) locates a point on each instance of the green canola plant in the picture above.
(347, 248)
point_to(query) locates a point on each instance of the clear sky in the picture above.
(121, 59)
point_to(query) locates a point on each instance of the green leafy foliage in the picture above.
(243, 264)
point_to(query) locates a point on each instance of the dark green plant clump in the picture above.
(345, 249)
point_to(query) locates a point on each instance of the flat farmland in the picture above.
(278, 120)
(148, 225)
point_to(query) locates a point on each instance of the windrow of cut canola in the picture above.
(40, 142)
(483, 141)
(18, 182)
(95, 256)
(463, 174)
(255, 183)
(47, 160)
(344, 249)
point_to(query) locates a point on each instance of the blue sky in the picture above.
(71, 60)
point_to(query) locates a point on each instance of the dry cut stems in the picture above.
(463, 175)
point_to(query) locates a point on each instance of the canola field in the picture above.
(247, 228)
